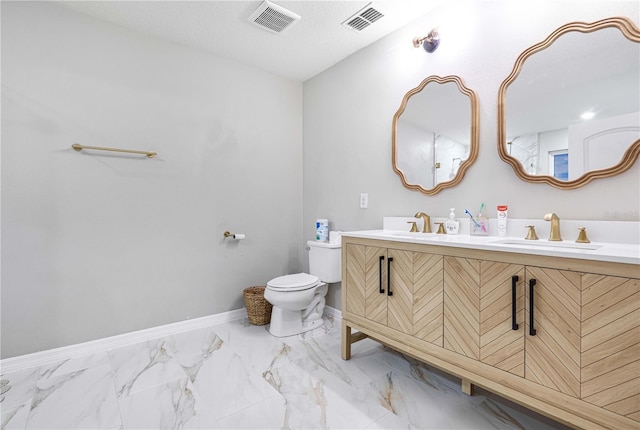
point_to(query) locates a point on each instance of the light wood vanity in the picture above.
(559, 335)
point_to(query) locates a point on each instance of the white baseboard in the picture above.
(51, 356)
(334, 313)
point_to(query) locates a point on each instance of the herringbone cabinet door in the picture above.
(462, 306)
(400, 304)
(500, 345)
(611, 344)
(428, 295)
(553, 354)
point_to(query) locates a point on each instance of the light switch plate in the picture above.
(364, 200)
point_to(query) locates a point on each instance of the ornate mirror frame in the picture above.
(473, 141)
(631, 32)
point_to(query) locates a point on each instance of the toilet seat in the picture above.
(295, 282)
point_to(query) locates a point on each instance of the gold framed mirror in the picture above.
(435, 134)
(571, 113)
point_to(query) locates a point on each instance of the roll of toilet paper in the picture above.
(238, 236)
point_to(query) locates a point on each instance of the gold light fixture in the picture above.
(430, 42)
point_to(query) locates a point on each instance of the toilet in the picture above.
(298, 300)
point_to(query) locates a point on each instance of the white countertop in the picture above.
(598, 251)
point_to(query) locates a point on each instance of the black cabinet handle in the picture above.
(532, 331)
(514, 285)
(380, 273)
(389, 292)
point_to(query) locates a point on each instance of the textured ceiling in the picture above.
(313, 44)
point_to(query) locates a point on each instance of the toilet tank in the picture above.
(325, 261)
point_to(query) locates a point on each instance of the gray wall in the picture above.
(348, 113)
(95, 245)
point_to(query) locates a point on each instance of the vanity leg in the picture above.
(345, 341)
(467, 387)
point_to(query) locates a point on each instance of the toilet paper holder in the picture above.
(236, 236)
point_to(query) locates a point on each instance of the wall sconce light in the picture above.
(429, 43)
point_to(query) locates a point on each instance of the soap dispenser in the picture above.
(452, 224)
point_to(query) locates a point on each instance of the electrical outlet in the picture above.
(364, 200)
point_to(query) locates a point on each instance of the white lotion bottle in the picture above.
(452, 225)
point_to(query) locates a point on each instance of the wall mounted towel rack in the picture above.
(79, 147)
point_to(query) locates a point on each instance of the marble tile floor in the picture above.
(237, 376)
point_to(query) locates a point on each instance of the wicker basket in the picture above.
(258, 308)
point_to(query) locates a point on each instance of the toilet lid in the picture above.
(296, 282)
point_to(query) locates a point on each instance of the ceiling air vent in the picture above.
(272, 17)
(363, 18)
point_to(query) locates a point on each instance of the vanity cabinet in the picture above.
(396, 288)
(560, 336)
(484, 319)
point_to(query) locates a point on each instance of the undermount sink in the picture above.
(427, 237)
(521, 243)
(548, 244)
(418, 235)
(414, 235)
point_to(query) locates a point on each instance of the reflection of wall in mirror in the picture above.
(426, 158)
(599, 144)
(592, 145)
(525, 149)
(450, 154)
(535, 150)
(415, 154)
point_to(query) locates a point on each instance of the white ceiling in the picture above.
(313, 44)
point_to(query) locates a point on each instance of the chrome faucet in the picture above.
(426, 227)
(555, 227)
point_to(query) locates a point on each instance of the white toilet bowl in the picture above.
(298, 303)
(298, 300)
